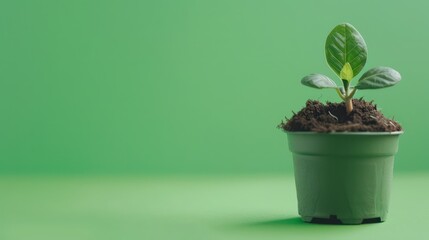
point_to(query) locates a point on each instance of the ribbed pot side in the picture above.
(343, 176)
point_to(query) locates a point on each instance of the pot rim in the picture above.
(345, 133)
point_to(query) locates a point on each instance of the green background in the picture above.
(141, 119)
(188, 86)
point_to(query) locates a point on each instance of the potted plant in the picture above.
(343, 152)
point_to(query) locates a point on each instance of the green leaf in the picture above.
(345, 45)
(347, 72)
(378, 77)
(318, 81)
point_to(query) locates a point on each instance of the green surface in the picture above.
(158, 86)
(252, 207)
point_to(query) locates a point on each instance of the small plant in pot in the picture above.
(343, 152)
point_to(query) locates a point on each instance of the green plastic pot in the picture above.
(344, 177)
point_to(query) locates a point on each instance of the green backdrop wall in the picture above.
(128, 86)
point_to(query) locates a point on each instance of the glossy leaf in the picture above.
(318, 81)
(378, 77)
(345, 45)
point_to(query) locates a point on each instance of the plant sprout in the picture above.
(346, 54)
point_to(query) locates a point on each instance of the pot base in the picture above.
(347, 221)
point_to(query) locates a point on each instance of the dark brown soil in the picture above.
(332, 117)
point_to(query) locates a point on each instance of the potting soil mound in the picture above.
(332, 117)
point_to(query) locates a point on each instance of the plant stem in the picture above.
(340, 94)
(352, 93)
(348, 97)
(349, 105)
(348, 100)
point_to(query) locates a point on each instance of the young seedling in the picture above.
(346, 54)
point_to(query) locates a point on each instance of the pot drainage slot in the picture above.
(372, 220)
